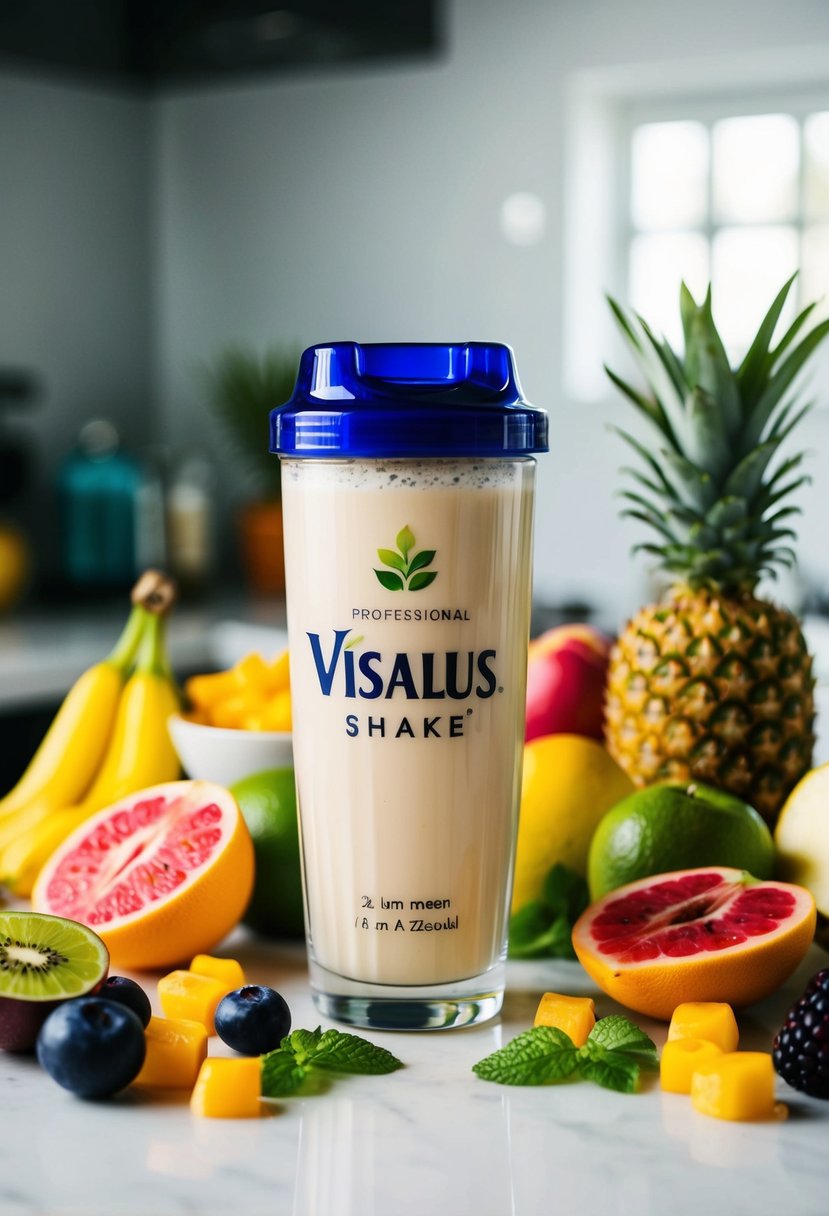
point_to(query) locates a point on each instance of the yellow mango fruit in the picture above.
(251, 672)
(226, 970)
(575, 1015)
(276, 714)
(737, 1086)
(192, 997)
(206, 691)
(176, 1050)
(279, 673)
(231, 712)
(713, 1021)
(680, 1060)
(228, 1089)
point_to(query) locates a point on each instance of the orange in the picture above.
(162, 875)
(711, 934)
(569, 782)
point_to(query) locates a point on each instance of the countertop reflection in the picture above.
(431, 1138)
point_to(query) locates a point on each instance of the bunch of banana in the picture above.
(108, 740)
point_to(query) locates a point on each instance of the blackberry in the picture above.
(801, 1046)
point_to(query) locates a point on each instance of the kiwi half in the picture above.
(43, 960)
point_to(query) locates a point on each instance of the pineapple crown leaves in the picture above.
(711, 488)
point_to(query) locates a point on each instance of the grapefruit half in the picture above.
(160, 876)
(710, 934)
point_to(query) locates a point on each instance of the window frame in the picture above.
(602, 108)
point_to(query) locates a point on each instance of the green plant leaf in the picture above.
(281, 1074)
(303, 1043)
(532, 934)
(611, 1071)
(424, 558)
(389, 558)
(404, 541)
(392, 582)
(535, 1057)
(565, 891)
(617, 1033)
(423, 579)
(340, 1052)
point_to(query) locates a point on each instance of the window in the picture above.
(691, 170)
(741, 200)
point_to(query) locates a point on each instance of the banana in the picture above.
(65, 764)
(140, 754)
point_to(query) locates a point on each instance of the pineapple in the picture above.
(713, 683)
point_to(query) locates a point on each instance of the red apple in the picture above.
(566, 674)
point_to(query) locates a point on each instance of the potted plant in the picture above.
(243, 387)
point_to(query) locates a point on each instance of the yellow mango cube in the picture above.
(575, 1015)
(230, 712)
(279, 673)
(226, 970)
(176, 1050)
(680, 1060)
(208, 690)
(276, 714)
(228, 1089)
(738, 1086)
(251, 671)
(192, 997)
(713, 1021)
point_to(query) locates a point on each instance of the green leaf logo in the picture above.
(403, 573)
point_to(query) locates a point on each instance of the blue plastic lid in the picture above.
(419, 399)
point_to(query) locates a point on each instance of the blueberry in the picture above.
(127, 992)
(253, 1019)
(92, 1047)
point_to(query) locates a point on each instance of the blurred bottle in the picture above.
(111, 512)
(190, 523)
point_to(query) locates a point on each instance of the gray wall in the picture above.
(74, 268)
(366, 205)
(138, 237)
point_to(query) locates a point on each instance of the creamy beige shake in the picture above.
(407, 478)
(408, 703)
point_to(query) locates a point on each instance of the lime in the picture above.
(568, 784)
(268, 803)
(676, 827)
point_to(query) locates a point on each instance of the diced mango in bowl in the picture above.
(255, 694)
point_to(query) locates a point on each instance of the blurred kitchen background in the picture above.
(185, 181)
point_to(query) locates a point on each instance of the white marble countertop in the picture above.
(430, 1140)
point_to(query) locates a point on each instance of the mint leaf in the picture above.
(533, 935)
(281, 1075)
(535, 1057)
(542, 928)
(612, 1071)
(617, 1034)
(302, 1043)
(338, 1052)
(565, 892)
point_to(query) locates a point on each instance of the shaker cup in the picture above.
(407, 473)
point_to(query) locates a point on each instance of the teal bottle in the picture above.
(98, 488)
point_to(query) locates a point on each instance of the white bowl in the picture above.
(216, 753)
